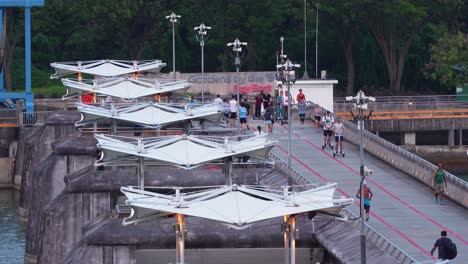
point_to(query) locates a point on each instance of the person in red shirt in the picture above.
(300, 97)
(87, 98)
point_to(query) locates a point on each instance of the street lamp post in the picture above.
(173, 19)
(289, 77)
(361, 105)
(237, 49)
(202, 31)
(305, 76)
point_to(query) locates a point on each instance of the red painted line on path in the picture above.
(386, 191)
(425, 252)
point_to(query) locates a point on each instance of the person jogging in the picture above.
(243, 116)
(317, 116)
(338, 129)
(301, 106)
(367, 198)
(439, 183)
(300, 97)
(327, 121)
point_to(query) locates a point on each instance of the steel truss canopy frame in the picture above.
(182, 151)
(123, 87)
(236, 206)
(154, 115)
(106, 68)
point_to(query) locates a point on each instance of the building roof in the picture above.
(105, 68)
(237, 206)
(123, 87)
(149, 114)
(183, 151)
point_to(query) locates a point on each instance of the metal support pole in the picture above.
(316, 44)
(141, 173)
(361, 154)
(288, 80)
(202, 44)
(292, 240)
(2, 88)
(114, 127)
(286, 239)
(173, 50)
(27, 46)
(305, 76)
(180, 239)
(238, 96)
(229, 173)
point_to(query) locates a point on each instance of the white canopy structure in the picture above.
(152, 115)
(183, 151)
(105, 68)
(236, 206)
(123, 87)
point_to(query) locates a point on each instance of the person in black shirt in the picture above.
(268, 121)
(442, 244)
(249, 113)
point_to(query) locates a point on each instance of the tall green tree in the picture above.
(395, 23)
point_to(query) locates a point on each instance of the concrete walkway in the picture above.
(403, 209)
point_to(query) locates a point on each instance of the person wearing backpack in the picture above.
(447, 249)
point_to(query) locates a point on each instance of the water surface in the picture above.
(12, 233)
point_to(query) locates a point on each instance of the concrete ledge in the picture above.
(75, 145)
(63, 118)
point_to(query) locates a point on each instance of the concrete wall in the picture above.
(417, 124)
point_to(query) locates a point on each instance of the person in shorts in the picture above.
(367, 198)
(243, 116)
(232, 111)
(317, 116)
(439, 183)
(301, 106)
(249, 111)
(338, 129)
(327, 121)
(268, 121)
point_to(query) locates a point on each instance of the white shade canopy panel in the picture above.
(149, 114)
(106, 68)
(237, 206)
(127, 88)
(183, 151)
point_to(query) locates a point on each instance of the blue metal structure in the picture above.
(28, 96)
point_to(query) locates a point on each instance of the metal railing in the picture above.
(405, 154)
(409, 103)
(33, 118)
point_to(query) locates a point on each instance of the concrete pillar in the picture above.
(409, 138)
(460, 137)
(451, 137)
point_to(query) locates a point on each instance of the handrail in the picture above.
(404, 152)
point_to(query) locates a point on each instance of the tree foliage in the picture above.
(366, 44)
(449, 60)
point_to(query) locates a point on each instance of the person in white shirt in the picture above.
(218, 100)
(233, 110)
(327, 121)
(338, 129)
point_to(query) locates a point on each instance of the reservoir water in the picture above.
(12, 233)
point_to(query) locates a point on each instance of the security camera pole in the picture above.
(202, 31)
(173, 19)
(361, 105)
(237, 49)
(288, 77)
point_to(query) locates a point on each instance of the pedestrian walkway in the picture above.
(403, 208)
